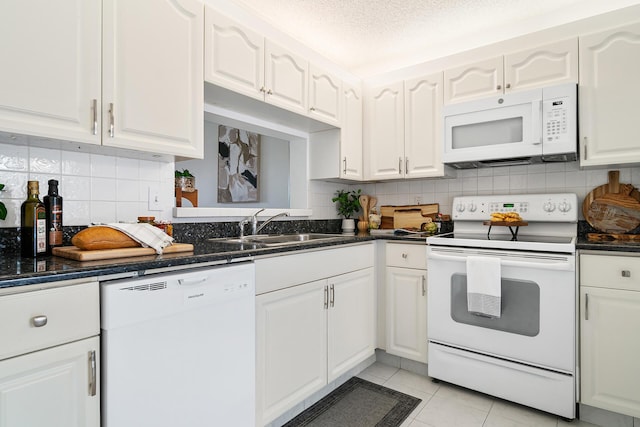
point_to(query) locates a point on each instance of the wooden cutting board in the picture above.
(613, 207)
(78, 254)
(412, 218)
(388, 214)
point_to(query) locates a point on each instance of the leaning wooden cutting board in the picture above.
(388, 213)
(78, 254)
(612, 207)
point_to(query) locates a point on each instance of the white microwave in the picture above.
(518, 128)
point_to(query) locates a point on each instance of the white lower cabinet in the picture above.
(50, 356)
(308, 334)
(609, 325)
(52, 387)
(406, 301)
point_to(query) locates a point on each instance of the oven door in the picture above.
(537, 323)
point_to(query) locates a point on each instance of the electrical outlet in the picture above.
(417, 200)
(155, 200)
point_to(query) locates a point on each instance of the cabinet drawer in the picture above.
(72, 313)
(406, 255)
(610, 271)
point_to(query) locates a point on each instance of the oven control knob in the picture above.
(549, 207)
(472, 207)
(460, 207)
(564, 207)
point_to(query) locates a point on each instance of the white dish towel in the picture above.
(145, 234)
(484, 294)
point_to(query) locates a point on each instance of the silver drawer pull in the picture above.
(626, 273)
(405, 256)
(39, 321)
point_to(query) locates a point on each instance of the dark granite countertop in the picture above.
(18, 271)
(583, 243)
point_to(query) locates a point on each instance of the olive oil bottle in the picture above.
(33, 223)
(53, 208)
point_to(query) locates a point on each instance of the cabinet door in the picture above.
(153, 82)
(407, 313)
(608, 97)
(609, 348)
(384, 127)
(551, 64)
(351, 321)
(50, 78)
(423, 127)
(233, 55)
(57, 387)
(472, 81)
(351, 134)
(291, 349)
(325, 96)
(286, 78)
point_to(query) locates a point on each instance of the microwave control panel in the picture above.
(555, 116)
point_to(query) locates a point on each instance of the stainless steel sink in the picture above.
(283, 239)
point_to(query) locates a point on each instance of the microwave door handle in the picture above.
(537, 121)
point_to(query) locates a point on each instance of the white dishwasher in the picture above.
(178, 349)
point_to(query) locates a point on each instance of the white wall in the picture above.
(94, 188)
(550, 178)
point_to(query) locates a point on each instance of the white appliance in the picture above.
(178, 349)
(528, 354)
(518, 128)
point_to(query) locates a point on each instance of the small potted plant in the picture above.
(185, 181)
(348, 204)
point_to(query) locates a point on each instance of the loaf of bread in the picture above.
(98, 237)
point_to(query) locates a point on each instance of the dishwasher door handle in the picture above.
(194, 281)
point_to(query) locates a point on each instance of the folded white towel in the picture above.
(484, 293)
(145, 234)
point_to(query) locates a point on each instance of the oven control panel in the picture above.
(562, 207)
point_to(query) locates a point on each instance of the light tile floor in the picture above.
(446, 405)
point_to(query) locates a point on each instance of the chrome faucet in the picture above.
(251, 219)
(256, 231)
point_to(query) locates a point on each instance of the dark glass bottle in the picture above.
(53, 207)
(33, 223)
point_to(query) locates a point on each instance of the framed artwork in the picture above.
(238, 164)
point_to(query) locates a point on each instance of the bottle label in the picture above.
(55, 232)
(41, 230)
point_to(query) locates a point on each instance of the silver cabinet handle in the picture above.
(94, 108)
(312, 109)
(39, 321)
(508, 86)
(405, 256)
(498, 87)
(400, 165)
(585, 148)
(424, 285)
(326, 297)
(333, 296)
(406, 165)
(269, 92)
(344, 162)
(111, 121)
(626, 273)
(262, 89)
(92, 373)
(586, 306)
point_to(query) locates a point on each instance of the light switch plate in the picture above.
(155, 198)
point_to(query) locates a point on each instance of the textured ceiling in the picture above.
(362, 35)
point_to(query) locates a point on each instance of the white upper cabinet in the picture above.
(50, 77)
(234, 55)
(153, 92)
(351, 133)
(384, 132)
(286, 78)
(239, 59)
(472, 81)
(546, 65)
(423, 127)
(325, 96)
(608, 97)
(403, 129)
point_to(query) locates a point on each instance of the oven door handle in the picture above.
(558, 265)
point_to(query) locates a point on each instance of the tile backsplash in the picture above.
(110, 188)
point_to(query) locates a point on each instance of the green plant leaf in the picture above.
(3, 211)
